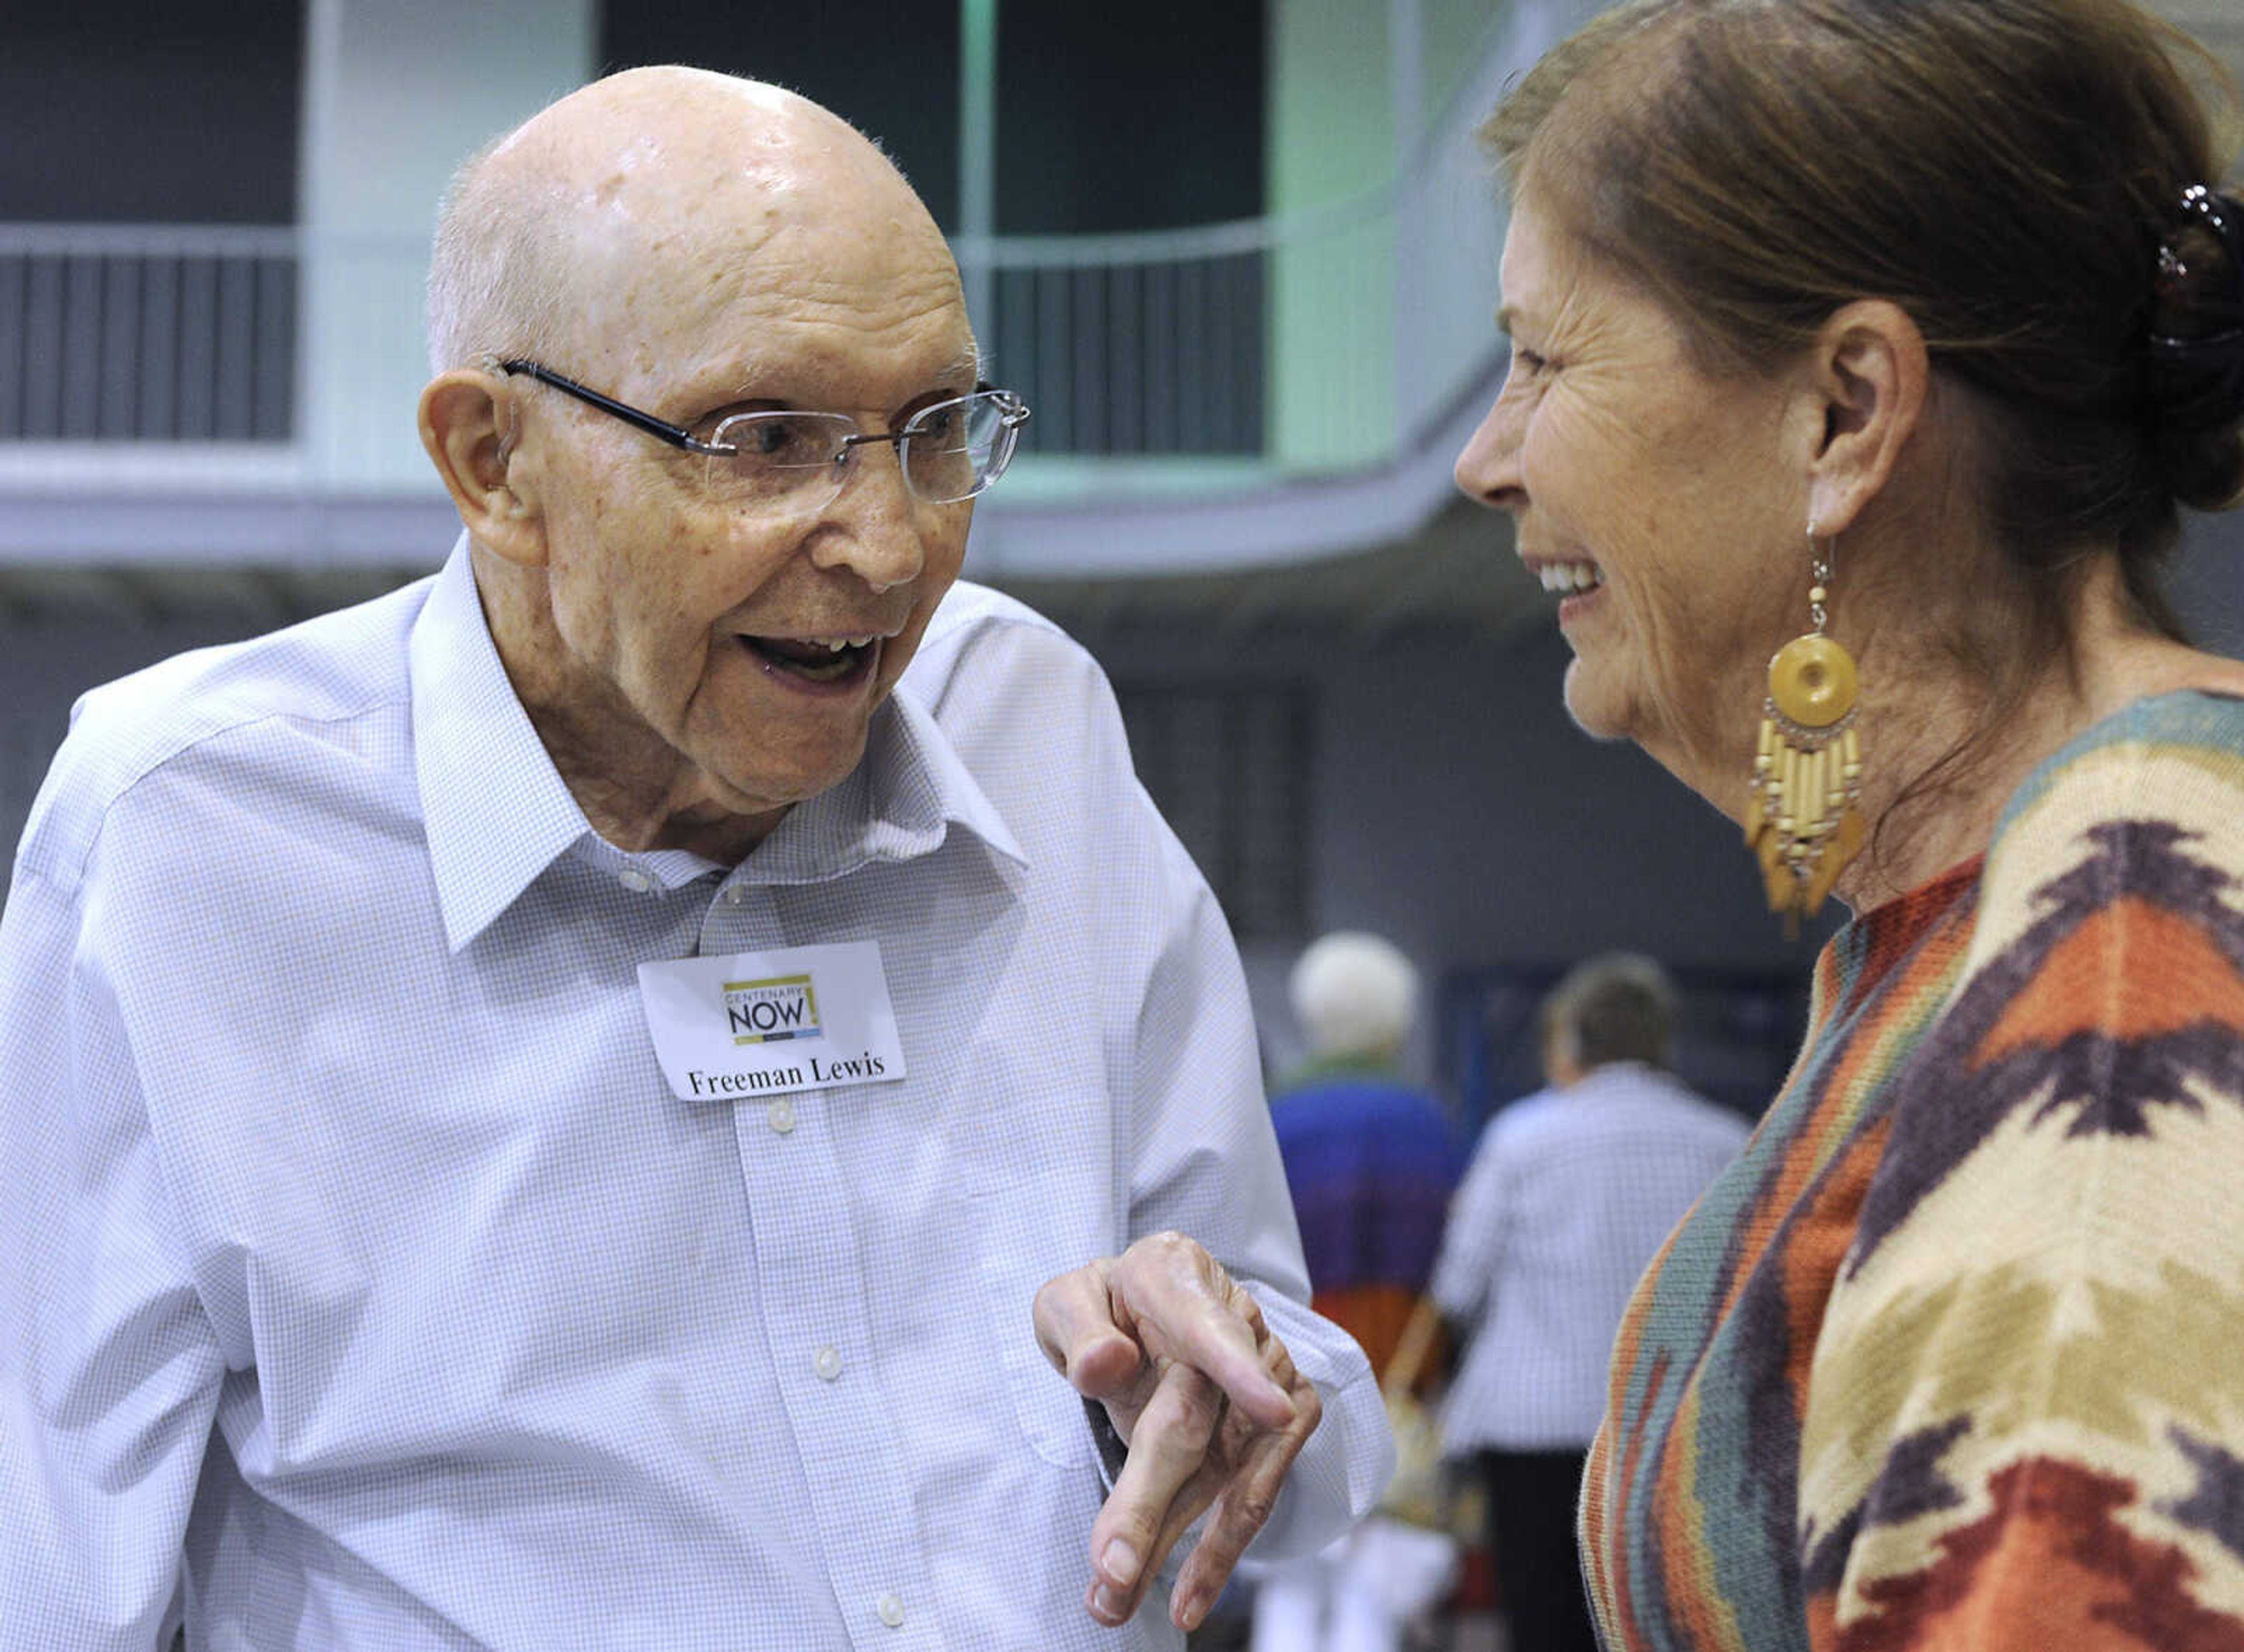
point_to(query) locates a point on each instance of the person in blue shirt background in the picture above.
(1370, 1161)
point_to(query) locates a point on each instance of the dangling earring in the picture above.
(1803, 819)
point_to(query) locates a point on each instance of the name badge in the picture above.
(767, 1022)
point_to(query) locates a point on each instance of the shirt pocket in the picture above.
(1010, 1268)
(1036, 1168)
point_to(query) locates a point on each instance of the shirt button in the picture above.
(891, 1610)
(634, 880)
(781, 1116)
(735, 895)
(827, 1365)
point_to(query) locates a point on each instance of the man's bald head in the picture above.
(545, 224)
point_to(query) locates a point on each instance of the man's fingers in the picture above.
(1241, 1511)
(1134, 1531)
(1075, 1327)
(1172, 1343)
(1236, 1365)
(1223, 1339)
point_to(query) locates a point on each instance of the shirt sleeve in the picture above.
(1473, 1239)
(1206, 1163)
(1193, 1149)
(109, 1371)
(2025, 1421)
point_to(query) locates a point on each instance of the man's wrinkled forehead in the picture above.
(637, 173)
(690, 196)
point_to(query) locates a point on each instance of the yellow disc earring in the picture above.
(1803, 819)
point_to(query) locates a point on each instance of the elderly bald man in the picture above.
(537, 1107)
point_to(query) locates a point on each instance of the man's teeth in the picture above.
(836, 644)
(1569, 576)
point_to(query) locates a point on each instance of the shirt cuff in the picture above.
(1111, 1451)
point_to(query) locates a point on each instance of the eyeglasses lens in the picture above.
(948, 449)
(779, 460)
(789, 460)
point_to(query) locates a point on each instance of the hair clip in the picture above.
(2197, 331)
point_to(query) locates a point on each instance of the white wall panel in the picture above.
(398, 92)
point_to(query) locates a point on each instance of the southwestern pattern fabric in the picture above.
(1953, 1356)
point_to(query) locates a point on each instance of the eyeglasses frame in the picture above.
(1015, 412)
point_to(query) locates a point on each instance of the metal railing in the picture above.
(1321, 343)
(1161, 343)
(147, 333)
(1158, 353)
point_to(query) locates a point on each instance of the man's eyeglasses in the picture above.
(949, 450)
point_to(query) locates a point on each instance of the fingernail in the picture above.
(1121, 1562)
(1107, 1604)
(1191, 1608)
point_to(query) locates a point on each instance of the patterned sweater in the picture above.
(1952, 1357)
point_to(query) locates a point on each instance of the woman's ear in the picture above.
(468, 427)
(1869, 371)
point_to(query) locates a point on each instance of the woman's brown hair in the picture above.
(2004, 170)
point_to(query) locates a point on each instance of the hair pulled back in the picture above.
(2005, 171)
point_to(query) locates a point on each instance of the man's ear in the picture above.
(468, 427)
(1869, 372)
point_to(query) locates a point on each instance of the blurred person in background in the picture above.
(1570, 1193)
(1370, 1160)
(1864, 354)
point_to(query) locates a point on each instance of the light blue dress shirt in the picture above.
(363, 1284)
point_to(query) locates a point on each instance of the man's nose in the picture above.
(873, 527)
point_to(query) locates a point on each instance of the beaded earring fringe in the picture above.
(1803, 820)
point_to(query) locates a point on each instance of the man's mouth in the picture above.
(1569, 578)
(816, 658)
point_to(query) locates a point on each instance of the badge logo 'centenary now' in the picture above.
(771, 1012)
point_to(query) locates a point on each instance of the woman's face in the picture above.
(1655, 500)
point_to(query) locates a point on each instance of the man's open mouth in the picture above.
(816, 658)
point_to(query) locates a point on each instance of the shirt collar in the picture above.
(899, 803)
(1622, 1077)
(1324, 1069)
(497, 813)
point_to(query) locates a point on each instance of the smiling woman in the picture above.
(1864, 354)
(1603, 385)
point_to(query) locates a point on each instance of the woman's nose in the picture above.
(1487, 470)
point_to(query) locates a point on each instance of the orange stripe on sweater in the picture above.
(1821, 1235)
(1862, 1065)
(2053, 1566)
(2133, 970)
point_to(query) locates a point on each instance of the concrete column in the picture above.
(977, 158)
(1331, 295)
(397, 93)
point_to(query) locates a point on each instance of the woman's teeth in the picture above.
(1567, 578)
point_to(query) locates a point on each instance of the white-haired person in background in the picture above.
(1371, 1159)
(1570, 1193)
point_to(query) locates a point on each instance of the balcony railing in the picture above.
(270, 373)
(146, 332)
(1293, 340)
(1147, 347)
